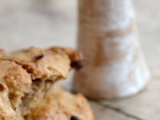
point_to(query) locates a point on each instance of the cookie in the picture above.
(44, 67)
(14, 82)
(42, 64)
(61, 105)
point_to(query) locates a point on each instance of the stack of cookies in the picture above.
(26, 85)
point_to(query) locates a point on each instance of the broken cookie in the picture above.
(43, 68)
(58, 104)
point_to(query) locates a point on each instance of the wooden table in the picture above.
(24, 23)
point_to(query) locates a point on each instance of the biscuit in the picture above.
(61, 105)
(43, 68)
(14, 81)
(42, 64)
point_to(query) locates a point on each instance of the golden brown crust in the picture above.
(45, 68)
(46, 112)
(30, 73)
(42, 64)
(14, 81)
(76, 57)
(60, 104)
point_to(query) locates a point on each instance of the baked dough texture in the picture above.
(14, 82)
(26, 75)
(61, 105)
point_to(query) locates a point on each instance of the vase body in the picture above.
(107, 35)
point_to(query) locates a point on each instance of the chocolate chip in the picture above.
(39, 57)
(2, 88)
(77, 64)
(74, 118)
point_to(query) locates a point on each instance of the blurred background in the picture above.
(45, 23)
(37, 22)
